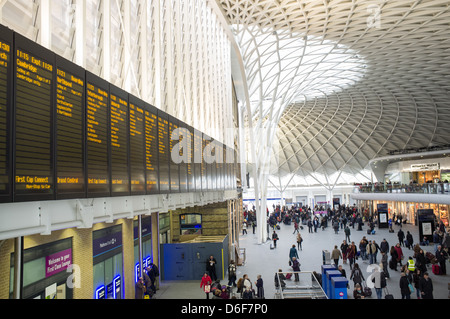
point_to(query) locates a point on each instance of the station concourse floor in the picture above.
(261, 260)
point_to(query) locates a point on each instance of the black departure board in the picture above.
(191, 163)
(206, 183)
(151, 150)
(119, 132)
(33, 121)
(6, 62)
(97, 143)
(70, 88)
(137, 145)
(163, 152)
(184, 152)
(198, 157)
(174, 158)
(66, 133)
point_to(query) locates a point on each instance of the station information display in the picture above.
(137, 145)
(174, 155)
(67, 133)
(70, 88)
(119, 132)
(163, 152)
(33, 121)
(6, 81)
(151, 150)
(97, 142)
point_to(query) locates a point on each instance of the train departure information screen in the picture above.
(151, 150)
(119, 142)
(69, 130)
(174, 155)
(164, 152)
(137, 150)
(5, 96)
(33, 121)
(97, 103)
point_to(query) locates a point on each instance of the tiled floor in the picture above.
(261, 260)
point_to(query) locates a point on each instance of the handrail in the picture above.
(308, 287)
(425, 188)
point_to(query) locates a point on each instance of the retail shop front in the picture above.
(408, 210)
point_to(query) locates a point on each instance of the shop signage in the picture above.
(58, 262)
(425, 167)
(107, 243)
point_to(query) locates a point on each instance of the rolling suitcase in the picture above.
(436, 269)
(388, 295)
(288, 276)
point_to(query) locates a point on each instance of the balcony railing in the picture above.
(426, 188)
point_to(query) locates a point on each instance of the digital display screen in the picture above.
(163, 152)
(120, 184)
(190, 164)
(70, 88)
(34, 70)
(174, 154)
(205, 166)
(184, 152)
(151, 150)
(199, 170)
(67, 133)
(137, 146)
(6, 62)
(97, 149)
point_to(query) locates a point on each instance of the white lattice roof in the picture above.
(345, 81)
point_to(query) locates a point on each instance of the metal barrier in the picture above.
(307, 286)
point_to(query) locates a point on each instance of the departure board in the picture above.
(151, 150)
(198, 156)
(97, 143)
(184, 153)
(163, 152)
(137, 146)
(120, 178)
(174, 151)
(190, 164)
(34, 76)
(6, 62)
(70, 172)
(206, 183)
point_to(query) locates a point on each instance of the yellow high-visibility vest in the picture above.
(411, 265)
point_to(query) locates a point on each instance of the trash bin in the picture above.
(330, 275)
(326, 268)
(339, 288)
(326, 257)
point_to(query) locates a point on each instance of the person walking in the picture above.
(404, 286)
(205, 283)
(274, 239)
(441, 258)
(409, 240)
(299, 241)
(211, 267)
(417, 275)
(399, 251)
(347, 233)
(356, 275)
(293, 253)
(426, 286)
(259, 287)
(351, 254)
(335, 255)
(344, 248)
(232, 274)
(401, 237)
(296, 268)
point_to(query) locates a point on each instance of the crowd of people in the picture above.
(414, 276)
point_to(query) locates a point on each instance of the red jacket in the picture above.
(205, 281)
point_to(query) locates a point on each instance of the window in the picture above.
(190, 224)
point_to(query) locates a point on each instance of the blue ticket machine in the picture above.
(339, 288)
(331, 274)
(326, 268)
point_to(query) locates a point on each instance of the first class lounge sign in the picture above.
(58, 262)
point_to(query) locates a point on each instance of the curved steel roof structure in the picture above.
(334, 84)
